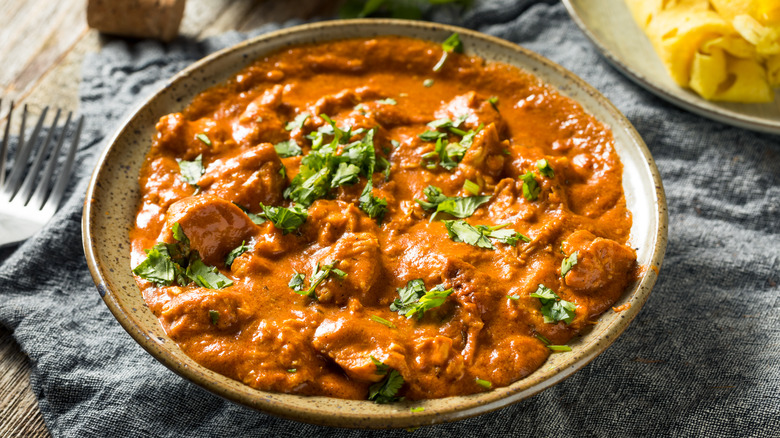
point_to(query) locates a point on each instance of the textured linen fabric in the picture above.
(702, 358)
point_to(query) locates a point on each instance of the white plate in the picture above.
(612, 29)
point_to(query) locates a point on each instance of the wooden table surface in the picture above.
(42, 44)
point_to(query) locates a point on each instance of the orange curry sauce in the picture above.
(272, 338)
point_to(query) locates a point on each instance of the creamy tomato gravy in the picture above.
(270, 337)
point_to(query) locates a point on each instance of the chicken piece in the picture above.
(328, 220)
(246, 178)
(191, 313)
(602, 271)
(485, 158)
(358, 256)
(261, 122)
(351, 341)
(213, 225)
(510, 359)
(478, 110)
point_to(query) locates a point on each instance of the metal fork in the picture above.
(29, 192)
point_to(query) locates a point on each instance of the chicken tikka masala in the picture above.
(380, 218)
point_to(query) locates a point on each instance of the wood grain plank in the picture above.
(19, 413)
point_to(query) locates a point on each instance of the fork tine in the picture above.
(39, 197)
(4, 147)
(23, 153)
(27, 186)
(62, 180)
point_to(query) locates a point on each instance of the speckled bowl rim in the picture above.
(364, 414)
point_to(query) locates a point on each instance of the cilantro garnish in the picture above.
(385, 390)
(455, 206)
(471, 187)
(568, 263)
(207, 276)
(323, 168)
(318, 276)
(297, 123)
(292, 370)
(494, 102)
(381, 368)
(547, 344)
(388, 101)
(256, 218)
(382, 321)
(285, 219)
(157, 267)
(191, 171)
(296, 282)
(554, 309)
(449, 154)
(544, 168)
(204, 139)
(167, 263)
(451, 44)
(214, 316)
(428, 83)
(531, 188)
(346, 174)
(461, 231)
(414, 300)
(287, 149)
(236, 252)
(374, 206)
(483, 383)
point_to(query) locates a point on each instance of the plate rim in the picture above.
(688, 103)
(473, 405)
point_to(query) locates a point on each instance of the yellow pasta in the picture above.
(726, 50)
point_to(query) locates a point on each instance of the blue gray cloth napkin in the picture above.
(702, 358)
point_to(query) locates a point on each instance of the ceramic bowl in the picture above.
(112, 200)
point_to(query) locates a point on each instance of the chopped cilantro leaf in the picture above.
(382, 321)
(204, 139)
(460, 231)
(318, 276)
(455, 206)
(214, 316)
(347, 173)
(471, 187)
(157, 267)
(292, 370)
(207, 276)
(285, 219)
(388, 101)
(483, 383)
(381, 368)
(547, 344)
(428, 83)
(296, 282)
(396, 144)
(385, 390)
(514, 297)
(374, 206)
(191, 171)
(297, 123)
(568, 263)
(531, 188)
(451, 44)
(494, 102)
(287, 149)
(169, 262)
(416, 409)
(236, 252)
(432, 135)
(414, 300)
(544, 168)
(554, 309)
